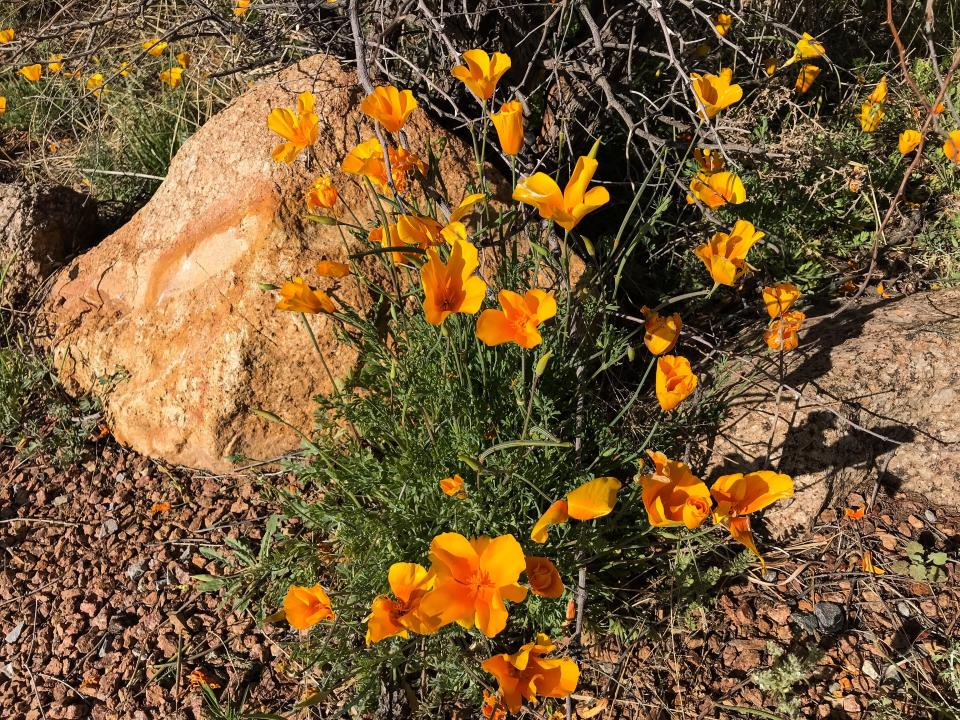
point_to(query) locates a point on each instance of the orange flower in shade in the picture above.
(738, 495)
(808, 74)
(567, 208)
(673, 496)
(724, 23)
(453, 486)
(519, 319)
(95, 84)
(717, 189)
(366, 159)
(299, 130)
(866, 564)
(183, 59)
(726, 253)
(783, 333)
(715, 92)
(710, 161)
(509, 125)
(493, 707)
(389, 617)
(3, 104)
(297, 296)
(451, 287)
(590, 501)
(778, 298)
(482, 72)
(473, 578)
(240, 7)
(389, 107)
(55, 63)
(870, 115)
(660, 331)
(305, 607)
(329, 268)
(675, 380)
(172, 76)
(879, 93)
(527, 674)
(770, 66)
(155, 47)
(31, 72)
(544, 578)
(7, 35)
(951, 148)
(322, 195)
(807, 48)
(909, 141)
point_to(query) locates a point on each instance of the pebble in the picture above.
(870, 670)
(805, 620)
(109, 527)
(14, 634)
(904, 609)
(928, 514)
(830, 616)
(59, 500)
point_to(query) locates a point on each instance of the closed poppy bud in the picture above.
(879, 93)
(389, 106)
(155, 47)
(778, 298)
(31, 72)
(509, 125)
(240, 7)
(544, 578)
(329, 268)
(951, 148)
(717, 189)
(453, 486)
(909, 141)
(939, 108)
(305, 607)
(715, 92)
(322, 194)
(482, 72)
(660, 331)
(675, 381)
(7, 35)
(806, 77)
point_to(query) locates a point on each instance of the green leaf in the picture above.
(938, 558)
(913, 548)
(918, 572)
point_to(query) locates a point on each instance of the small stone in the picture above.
(770, 576)
(14, 634)
(851, 705)
(891, 672)
(59, 500)
(805, 620)
(930, 516)
(904, 609)
(109, 527)
(870, 670)
(830, 616)
(915, 522)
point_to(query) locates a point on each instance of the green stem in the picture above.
(521, 443)
(687, 296)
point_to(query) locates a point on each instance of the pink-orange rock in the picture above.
(165, 320)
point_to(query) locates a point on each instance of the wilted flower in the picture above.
(951, 148)
(660, 331)
(717, 189)
(183, 59)
(453, 486)
(155, 46)
(778, 298)
(519, 319)
(783, 333)
(451, 287)
(675, 381)
(569, 207)
(55, 63)
(807, 48)
(7, 35)
(590, 501)
(726, 253)
(738, 495)
(806, 77)
(493, 707)
(389, 107)
(509, 125)
(240, 7)
(95, 84)
(473, 578)
(715, 92)
(527, 674)
(909, 141)
(544, 578)
(305, 607)
(297, 296)
(724, 23)
(329, 268)
(298, 130)
(709, 160)
(871, 113)
(366, 159)
(409, 583)
(322, 195)
(482, 72)
(31, 72)
(173, 76)
(672, 495)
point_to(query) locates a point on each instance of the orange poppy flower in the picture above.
(423, 232)
(390, 238)
(519, 319)
(715, 92)
(738, 495)
(675, 381)
(7, 35)
(31, 72)
(329, 268)
(322, 195)
(453, 486)
(724, 23)
(592, 500)
(909, 141)
(482, 72)
(870, 115)
(717, 189)
(879, 93)
(451, 287)
(389, 107)
(854, 514)
(808, 74)
(807, 48)
(951, 148)
(527, 674)
(154, 46)
(240, 7)
(778, 298)
(172, 76)
(726, 254)
(55, 63)
(544, 578)
(123, 68)
(183, 59)
(509, 125)
(493, 707)
(95, 84)
(783, 333)
(672, 495)
(3, 104)
(939, 108)
(710, 161)
(567, 208)
(466, 206)
(866, 564)
(305, 607)
(300, 130)
(366, 159)
(473, 578)
(770, 66)
(409, 583)
(297, 296)
(556, 514)
(160, 507)
(660, 331)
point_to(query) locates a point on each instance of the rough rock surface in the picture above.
(39, 228)
(165, 317)
(870, 400)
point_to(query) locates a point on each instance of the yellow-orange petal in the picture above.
(593, 499)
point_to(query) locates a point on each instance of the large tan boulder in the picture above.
(870, 402)
(165, 318)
